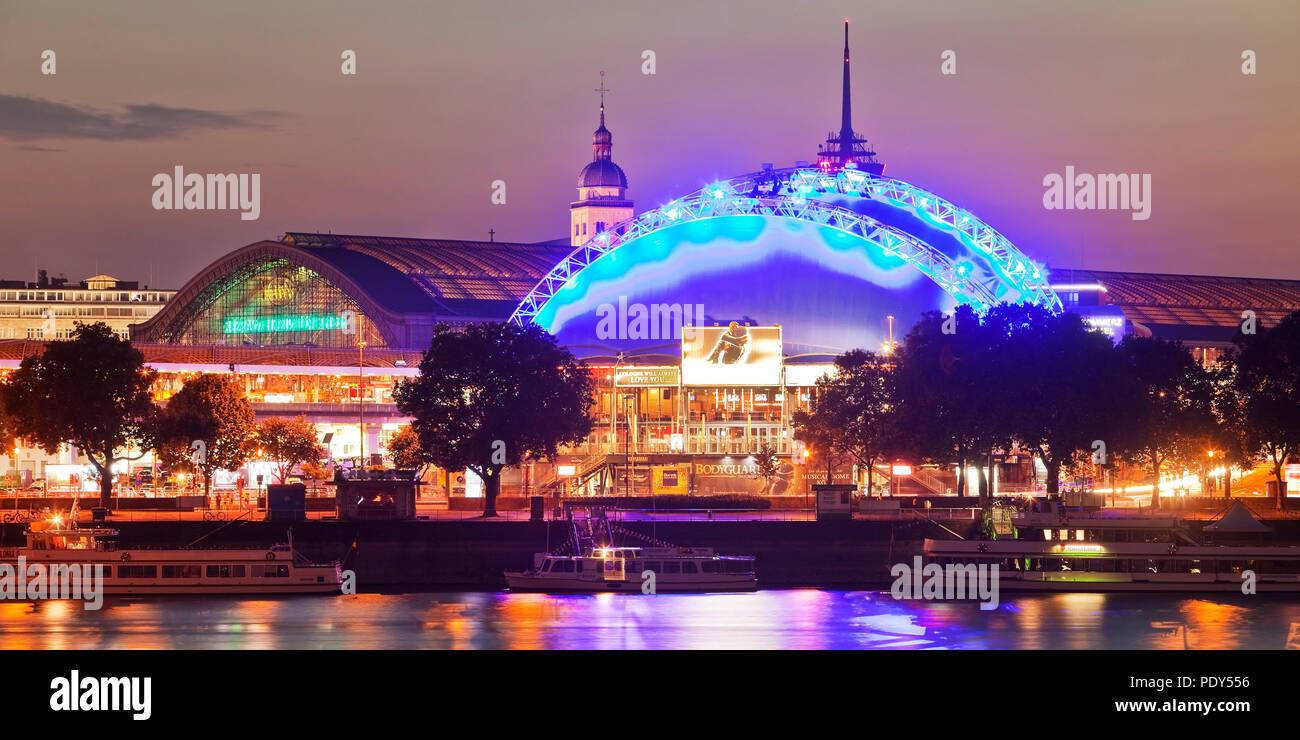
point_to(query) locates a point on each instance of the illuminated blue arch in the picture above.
(964, 256)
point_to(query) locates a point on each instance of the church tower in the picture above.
(601, 187)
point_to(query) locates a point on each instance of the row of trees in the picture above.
(489, 396)
(93, 392)
(963, 387)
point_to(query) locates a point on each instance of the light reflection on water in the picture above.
(785, 620)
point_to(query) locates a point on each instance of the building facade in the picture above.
(51, 308)
(705, 323)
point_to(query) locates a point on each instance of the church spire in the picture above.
(602, 141)
(602, 186)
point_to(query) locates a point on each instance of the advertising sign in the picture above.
(1292, 478)
(1109, 320)
(671, 479)
(644, 377)
(731, 355)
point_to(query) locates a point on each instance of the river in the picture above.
(776, 619)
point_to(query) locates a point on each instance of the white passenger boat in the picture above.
(138, 570)
(1028, 565)
(600, 566)
(636, 569)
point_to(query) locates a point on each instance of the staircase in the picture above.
(590, 529)
(931, 481)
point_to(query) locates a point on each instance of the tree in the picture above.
(949, 391)
(1064, 386)
(767, 466)
(858, 406)
(820, 434)
(1232, 441)
(287, 443)
(405, 451)
(1172, 411)
(91, 392)
(492, 395)
(1266, 377)
(208, 424)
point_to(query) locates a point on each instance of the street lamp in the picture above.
(361, 397)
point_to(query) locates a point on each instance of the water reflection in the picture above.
(777, 620)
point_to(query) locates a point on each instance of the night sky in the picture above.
(452, 96)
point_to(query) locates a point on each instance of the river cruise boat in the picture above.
(602, 567)
(208, 570)
(1082, 565)
(1127, 553)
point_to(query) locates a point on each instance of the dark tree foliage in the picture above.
(949, 393)
(92, 392)
(207, 425)
(1172, 413)
(288, 443)
(1266, 381)
(1061, 387)
(767, 465)
(855, 412)
(492, 395)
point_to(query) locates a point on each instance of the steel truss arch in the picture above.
(798, 194)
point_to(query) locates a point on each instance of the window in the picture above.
(546, 567)
(271, 571)
(224, 571)
(710, 566)
(563, 566)
(689, 568)
(671, 567)
(652, 565)
(182, 571)
(578, 566)
(137, 571)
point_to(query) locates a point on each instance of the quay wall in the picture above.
(474, 554)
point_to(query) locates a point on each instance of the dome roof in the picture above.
(602, 173)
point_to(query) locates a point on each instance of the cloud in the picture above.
(28, 119)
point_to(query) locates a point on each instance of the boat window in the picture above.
(577, 565)
(651, 565)
(672, 567)
(562, 566)
(689, 568)
(710, 566)
(546, 566)
(271, 571)
(737, 566)
(237, 571)
(137, 571)
(182, 571)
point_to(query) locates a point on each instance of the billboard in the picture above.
(731, 355)
(645, 377)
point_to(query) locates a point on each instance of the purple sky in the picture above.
(449, 97)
